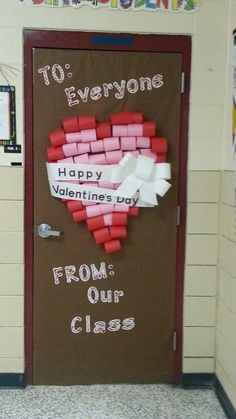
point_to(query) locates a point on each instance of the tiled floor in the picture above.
(109, 402)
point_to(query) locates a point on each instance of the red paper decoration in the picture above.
(84, 140)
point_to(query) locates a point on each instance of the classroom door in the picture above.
(80, 336)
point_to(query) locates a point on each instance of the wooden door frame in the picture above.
(114, 42)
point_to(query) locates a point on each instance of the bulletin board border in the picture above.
(106, 42)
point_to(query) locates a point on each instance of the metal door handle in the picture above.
(45, 231)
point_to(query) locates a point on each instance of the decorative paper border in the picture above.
(150, 5)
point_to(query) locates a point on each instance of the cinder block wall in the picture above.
(208, 28)
(226, 307)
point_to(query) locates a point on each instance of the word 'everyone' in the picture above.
(118, 90)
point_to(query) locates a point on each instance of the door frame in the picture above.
(114, 42)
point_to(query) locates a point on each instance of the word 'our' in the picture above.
(105, 296)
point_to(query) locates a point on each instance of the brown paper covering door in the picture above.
(145, 268)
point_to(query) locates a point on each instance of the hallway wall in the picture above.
(208, 28)
(226, 307)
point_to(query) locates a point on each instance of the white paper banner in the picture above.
(71, 191)
(143, 175)
(100, 173)
(81, 172)
(140, 181)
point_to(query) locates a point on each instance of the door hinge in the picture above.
(182, 82)
(178, 215)
(174, 340)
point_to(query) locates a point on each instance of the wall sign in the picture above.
(8, 124)
(151, 5)
(10, 151)
(7, 116)
(8, 145)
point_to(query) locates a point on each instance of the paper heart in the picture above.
(85, 141)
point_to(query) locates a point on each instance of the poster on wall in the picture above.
(149, 5)
(8, 141)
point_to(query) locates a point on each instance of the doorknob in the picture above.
(45, 230)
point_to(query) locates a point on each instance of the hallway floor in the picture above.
(109, 402)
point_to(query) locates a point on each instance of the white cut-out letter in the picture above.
(44, 72)
(128, 323)
(70, 95)
(106, 296)
(99, 274)
(99, 327)
(74, 327)
(57, 273)
(106, 88)
(95, 93)
(93, 295)
(59, 78)
(132, 86)
(148, 82)
(117, 295)
(114, 325)
(157, 81)
(120, 88)
(69, 271)
(84, 94)
(88, 323)
(84, 273)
